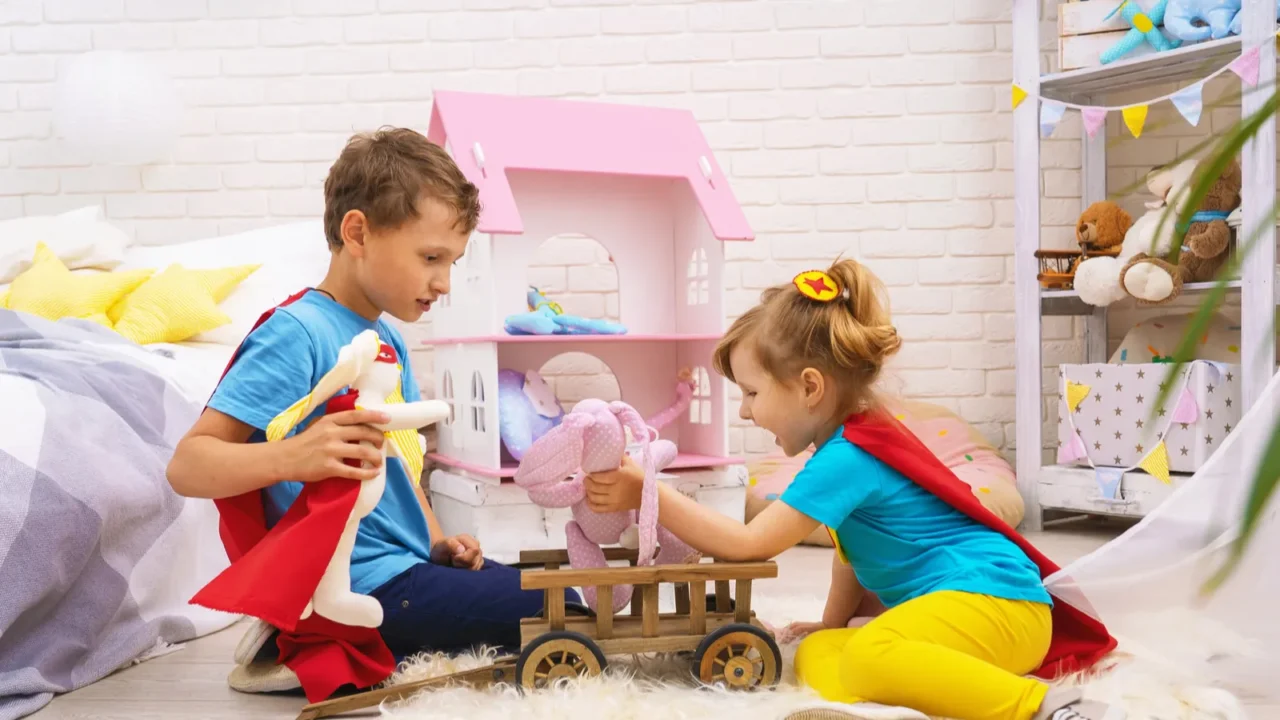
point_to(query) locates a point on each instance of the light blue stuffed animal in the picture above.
(1217, 17)
(548, 318)
(1238, 21)
(1144, 28)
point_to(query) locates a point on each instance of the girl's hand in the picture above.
(615, 490)
(460, 551)
(797, 630)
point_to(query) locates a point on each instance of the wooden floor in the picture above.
(191, 683)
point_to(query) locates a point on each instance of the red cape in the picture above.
(273, 574)
(1079, 641)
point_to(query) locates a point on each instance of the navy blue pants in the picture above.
(433, 607)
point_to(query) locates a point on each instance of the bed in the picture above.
(98, 556)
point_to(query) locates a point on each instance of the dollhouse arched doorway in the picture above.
(576, 376)
(579, 273)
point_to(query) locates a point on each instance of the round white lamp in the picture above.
(116, 108)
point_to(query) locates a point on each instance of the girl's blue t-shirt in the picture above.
(279, 364)
(902, 540)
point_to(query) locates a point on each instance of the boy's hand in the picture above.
(318, 452)
(460, 551)
(615, 490)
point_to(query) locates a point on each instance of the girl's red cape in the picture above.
(1079, 641)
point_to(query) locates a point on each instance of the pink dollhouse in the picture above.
(644, 184)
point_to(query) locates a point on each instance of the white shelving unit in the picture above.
(1069, 488)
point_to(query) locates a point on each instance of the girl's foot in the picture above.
(1069, 704)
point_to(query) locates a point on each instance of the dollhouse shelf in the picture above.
(683, 461)
(1189, 62)
(570, 339)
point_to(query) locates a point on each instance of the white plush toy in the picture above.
(1098, 279)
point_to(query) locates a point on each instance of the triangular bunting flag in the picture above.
(1018, 96)
(1094, 118)
(1190, 103)
(1186, 410)
(1134, 118)
(1156, 463)
(1108, 479)
(1072, 450)
(1050, 115)
(1076, 393)
(1247, 65)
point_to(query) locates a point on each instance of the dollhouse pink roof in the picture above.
(524, 133)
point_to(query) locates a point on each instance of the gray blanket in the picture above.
(98, 555)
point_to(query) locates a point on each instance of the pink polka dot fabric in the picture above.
(590, 439)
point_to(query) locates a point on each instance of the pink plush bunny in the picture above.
(592, 439)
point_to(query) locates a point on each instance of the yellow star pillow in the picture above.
(177, 304)
(50, 290)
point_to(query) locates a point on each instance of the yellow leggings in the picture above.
(948, 654)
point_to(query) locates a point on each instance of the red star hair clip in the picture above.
(817, 285)
(386, 354)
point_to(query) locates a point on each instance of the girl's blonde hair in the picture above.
(848, 338)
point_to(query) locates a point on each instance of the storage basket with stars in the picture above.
(1106, 417)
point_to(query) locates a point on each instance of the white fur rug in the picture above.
(1152, 683)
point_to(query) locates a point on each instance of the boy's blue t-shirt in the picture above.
(279, 364)
(902, 540)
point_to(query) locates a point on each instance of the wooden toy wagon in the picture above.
(728, 644)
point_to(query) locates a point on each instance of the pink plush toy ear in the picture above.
(648, 518)
(556, 455)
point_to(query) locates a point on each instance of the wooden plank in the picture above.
(742, 603)
(698, 607)
(1081, 51)
(626, 627)
(542, 579)
(503, 670)
(555, 607)
(682, 598)
(561, 557)
(650, 621)
(666, 643)
(604, 615)
(1086, 18)
(723, 597)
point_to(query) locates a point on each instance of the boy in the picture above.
(398, 213)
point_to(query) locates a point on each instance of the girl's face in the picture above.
(786, 410)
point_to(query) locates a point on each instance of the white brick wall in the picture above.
(861, 127)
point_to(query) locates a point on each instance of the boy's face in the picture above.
(769, 404)
(404, 271)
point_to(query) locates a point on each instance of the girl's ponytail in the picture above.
(862, 336)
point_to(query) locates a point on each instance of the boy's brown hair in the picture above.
(385, 173)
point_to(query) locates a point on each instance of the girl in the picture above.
(967, 612)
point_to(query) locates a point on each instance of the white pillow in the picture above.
(292, 256)
(80, 238)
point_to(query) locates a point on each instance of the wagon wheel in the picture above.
(739, 655)
(556, 655)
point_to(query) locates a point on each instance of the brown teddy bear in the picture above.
(1100, 231)
(1102, 227)
(1205, 246)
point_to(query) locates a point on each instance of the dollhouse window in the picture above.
(446, 394)
(477, 403)
(700, 404)
(699, 288)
